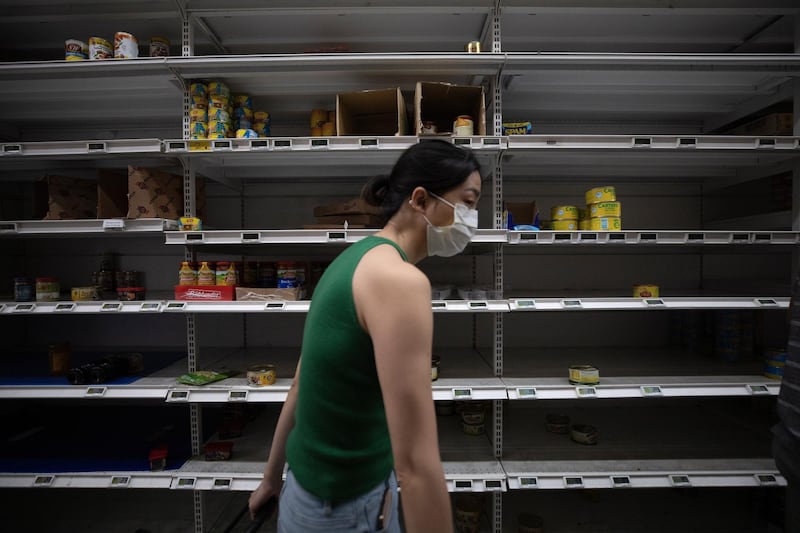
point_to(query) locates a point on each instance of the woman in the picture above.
(359, 418)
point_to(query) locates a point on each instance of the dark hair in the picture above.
(438, 166)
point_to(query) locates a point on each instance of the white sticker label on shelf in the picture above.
(680, 480)
(259, 145)
(369, 143)
(573, 482)
(12, 149)
(651, 390)
(64, 307)
(586, 392)
(494, 485)
(766, 479)
(319, 144)
(95, 392)
(222, 484)
(186, 483)
(757, 390)
(8, 227)
(438, 304)
(571, 304)
(120, 482)
(462, 485)
(528, 483)
(178, 396)
(43, 481)
(478, 305)
(176, 306)
(111, 306)
(653, 302)
(23, 308)
(526, 304)
(237, 396)
(766, 302)
(96, 147)
(462, 394)
(526, 393)
(150, 307)
(114, 224)
(620, 481)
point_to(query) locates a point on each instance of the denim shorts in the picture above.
(302, 512)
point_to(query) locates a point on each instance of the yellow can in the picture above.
(218, 88)
(261, 375)
(564, 212)
(217, 126)
(605, 224)
(565, 225)
(583, 214)
(584, 375)
(605, 209)
(218, 136)
(585, 224)
(83, 294)
(199, 102)
(318, 117)
(601, 194)
(198, 89)
(645, 291)
(198, 115)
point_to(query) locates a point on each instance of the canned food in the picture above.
(217, 114)
(473, 47)
(557, 423)
(287, 275)
(263, 116)
(84, 294)
(199, 129)
(468, 513)
(601, 194)
(605, 209)
(584, 375)
(243, 101)
(263, 129)
(131, 294)
(645, 291)
(261, 375)
(473, 429)
(218, 88)
(58, 355)
(243, 124)
(328, 129)
(126, 46)
(240, 113)
(565, 225)
(198, 115)
(584, 225)
(217, 136)
(583, 214)
(605, 224)
(47, 289)
(318, 117)
(773, 370)
(246, 134)
(564, 212)
(23, 290)
(99, 48)
(435, 362)
(199, 89)
(429, 128)
(473, 415)
(199, 102)
(75, 50)
(159, 47)
(463, 126)
(219, 127)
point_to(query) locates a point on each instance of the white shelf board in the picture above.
(652, 237)
(698, 143)
(68, 149)
(65, 307)
(560, 475)
(89, 480)
(113, 227)
(469, 389)
(642, 387)
(641, 304)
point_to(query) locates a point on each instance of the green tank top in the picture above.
(339, 447)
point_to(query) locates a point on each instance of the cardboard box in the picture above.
(375, 112)
(112, 194)
(66, 198)
(520, 213)
(154, 193)
(205, 293)
(355, 206)
(263, 294)
(441, 103)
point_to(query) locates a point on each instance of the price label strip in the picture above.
(462, 394)
(114, 224)
(150, 307)
(369, 143)
(222, 484)
(494, 485)
(120, 482)
(526, 304)
(654, 302)
(586, 392)
(573, 482)
(757, 390)
(651, 390)
(111, 307)
(64, 307)
(95, 392)
(766, 480)
(186, 483)
(178, 396)
(237, 396)
(526, 393)
(23, 308)
(176, 306)
(766, 302)
(463, 485)
(619, 482)
(439, 304)
(478, 305)
(680, 480)
(528, 483)
(571, 304)
(43, 481)
(274, 306)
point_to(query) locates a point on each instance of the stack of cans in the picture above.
(198, 115)
(220, 111)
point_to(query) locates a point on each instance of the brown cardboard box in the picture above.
(441, 103)
(67, 198)
(260, 294)
(521, 212)
(154, 194)
(375, 112)
(355, 206)
(112, 194)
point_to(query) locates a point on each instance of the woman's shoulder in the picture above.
(383, 266)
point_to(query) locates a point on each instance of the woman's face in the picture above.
(468, 193)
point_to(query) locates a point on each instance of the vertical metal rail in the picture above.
(497, 197)
(189, 209)
(796, 170)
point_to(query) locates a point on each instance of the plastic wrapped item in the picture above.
(204, 377)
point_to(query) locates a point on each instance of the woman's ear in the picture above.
(419, 197)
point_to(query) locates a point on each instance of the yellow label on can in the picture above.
(584, 375)
(606, 209)
(564, 212)
(583, 214)
(645, 291)
(585, 224)
(601, 194)
(605, 224)
(565, 225)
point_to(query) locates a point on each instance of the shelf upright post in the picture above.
(189, 206)
(796, 170)
(497, 200)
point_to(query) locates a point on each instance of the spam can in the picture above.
(645, 291)
(601, 194)
(564, 212)
(605, 209)
(517, 128)
(605, 224)
(584, 375)
(565, 225)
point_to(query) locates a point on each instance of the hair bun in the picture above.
(375, 190)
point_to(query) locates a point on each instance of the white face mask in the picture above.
(447, 241)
